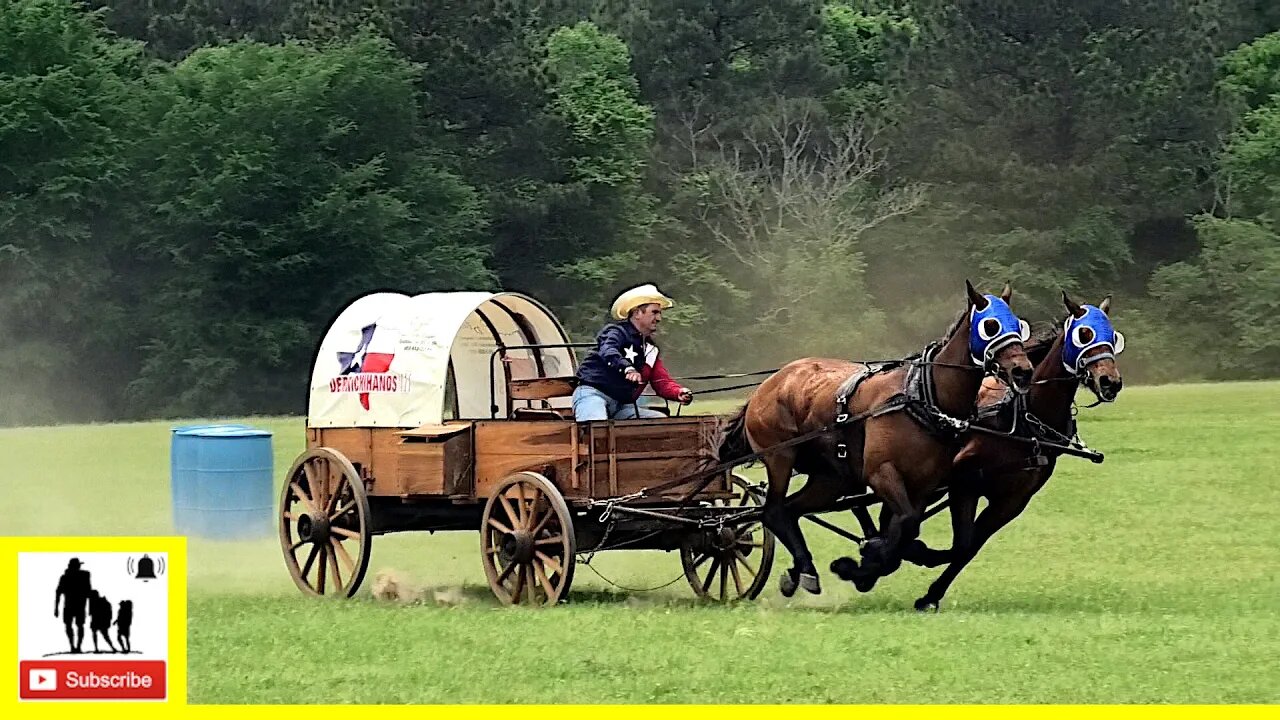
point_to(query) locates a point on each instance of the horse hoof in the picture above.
(844, 568)
(811, 584)
(924, 604)
(787, 584)
(865, 581)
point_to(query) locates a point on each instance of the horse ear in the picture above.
(1105, 305)
(975, 298)
(1072, 306)
(1007, 293)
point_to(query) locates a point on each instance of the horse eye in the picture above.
(1084, 335)
(989, 328)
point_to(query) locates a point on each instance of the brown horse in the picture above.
(1007, 472)
(895, 432)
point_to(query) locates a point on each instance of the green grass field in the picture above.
(1152, 578)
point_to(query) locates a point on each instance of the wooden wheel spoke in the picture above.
(304, 497)
(553, 540)
(493, 522)
(320, 569)
(530, 584)
(742, 560)
(520, 505)
(544, 581)
(515, 596)
(512, 515)
(724, 580)
(750, 544)
(339, 512)
(506, 571)
(317, 479)
(546, 518)
(547, 560)
(294, 547)
(333, 565)
(344, 532)
(737, 578)
(311, 558)
(344, 556)
(711, 576)
(332, 506)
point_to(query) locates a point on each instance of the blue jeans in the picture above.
(591, 404)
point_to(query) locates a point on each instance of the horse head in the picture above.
(996, 336)
(1090, 346)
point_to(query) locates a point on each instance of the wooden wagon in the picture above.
(451, 411)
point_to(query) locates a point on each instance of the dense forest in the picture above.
(189, 189)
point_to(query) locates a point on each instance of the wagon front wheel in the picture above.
(526, 541)
(324, 524)
(731, 562)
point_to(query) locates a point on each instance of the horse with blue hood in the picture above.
(894, 427)
(1009, 472)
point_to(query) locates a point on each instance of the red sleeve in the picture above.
(662, 382)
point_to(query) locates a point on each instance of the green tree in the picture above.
(70, 105)
(286, 180)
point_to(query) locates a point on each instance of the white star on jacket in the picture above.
(630, 355)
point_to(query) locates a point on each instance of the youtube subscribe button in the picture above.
(92, 680)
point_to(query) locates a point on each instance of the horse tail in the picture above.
(734, 443)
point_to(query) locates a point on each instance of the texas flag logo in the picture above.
(365, 369)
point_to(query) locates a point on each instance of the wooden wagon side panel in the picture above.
(435, 460)
(356, 444)
(632, 455)
(503, 447)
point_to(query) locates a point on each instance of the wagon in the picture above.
(452, 411)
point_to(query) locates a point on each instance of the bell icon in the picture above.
(146, 569)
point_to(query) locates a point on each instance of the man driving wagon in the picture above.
(625, 360)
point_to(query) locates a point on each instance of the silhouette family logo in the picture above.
(107, 635)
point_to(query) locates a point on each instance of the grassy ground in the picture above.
(1150, 578)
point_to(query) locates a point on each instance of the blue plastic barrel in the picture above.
(222, 481)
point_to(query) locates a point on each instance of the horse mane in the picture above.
(955, 325)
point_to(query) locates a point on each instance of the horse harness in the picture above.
(918, 399)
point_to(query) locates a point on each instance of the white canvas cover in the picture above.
(386, 360)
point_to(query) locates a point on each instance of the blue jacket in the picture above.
(605, 367)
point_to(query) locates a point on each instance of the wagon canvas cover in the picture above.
(395, 360)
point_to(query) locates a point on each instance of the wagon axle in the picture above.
(518, 546)
(313, 529)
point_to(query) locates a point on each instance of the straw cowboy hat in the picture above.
(637, 296)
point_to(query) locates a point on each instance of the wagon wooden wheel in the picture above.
(731, 563)
(527, 542)
(324, 524)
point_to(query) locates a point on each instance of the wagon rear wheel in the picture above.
(731, 563)
(526, 541)
(324, 524)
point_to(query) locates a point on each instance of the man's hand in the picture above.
(686, 396)
(633, 375)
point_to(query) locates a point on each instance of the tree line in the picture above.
(189, 189)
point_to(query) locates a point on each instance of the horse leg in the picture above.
(963, 505)
(819, 493)
(996, 515)
(882, 555)
(786, 526)
(846, 568)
